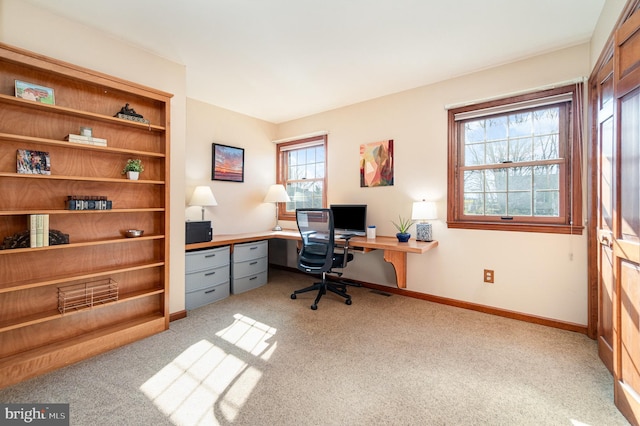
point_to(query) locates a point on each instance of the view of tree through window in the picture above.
(514, 163)
(512, 140)
(302, 170)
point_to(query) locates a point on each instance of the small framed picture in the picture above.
(33, 92)
(86, 131)
(227, 163)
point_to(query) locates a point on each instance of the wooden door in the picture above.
(604, 200)
(626, 243)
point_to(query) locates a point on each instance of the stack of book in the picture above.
(87, 140)
(39, 230)
(88, 202)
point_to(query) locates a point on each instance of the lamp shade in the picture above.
(277, 194)
(203, 196)
(424, 210)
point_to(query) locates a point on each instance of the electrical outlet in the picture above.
(488, 276)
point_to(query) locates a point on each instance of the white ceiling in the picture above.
(283, 59)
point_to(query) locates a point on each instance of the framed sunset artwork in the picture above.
(227, 163)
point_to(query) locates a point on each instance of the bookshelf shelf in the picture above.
(36, 338)
(13, 101)
(8, 137)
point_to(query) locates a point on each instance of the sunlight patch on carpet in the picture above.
(207, 385)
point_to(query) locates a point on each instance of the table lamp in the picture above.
(423, 211)
(277, 194)
(203, 196)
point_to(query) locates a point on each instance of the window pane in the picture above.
(520, 124)
(521, 150)
(473, 204)
(520, 203)
(546, 177)
(496, 128)
(547, 203)
(496, 152)
(310, 171)
(547, 121)
(473, 181)
(474, 131)
(495, 180)
(520, 179)
(496, 203)
(546, 147)
(474, 154)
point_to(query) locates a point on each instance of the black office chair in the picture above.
(317, 254)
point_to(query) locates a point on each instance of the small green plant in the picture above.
(133, 166)
(403, 225)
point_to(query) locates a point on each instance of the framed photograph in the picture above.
(227, 163)
(33, 162)
(33, 92)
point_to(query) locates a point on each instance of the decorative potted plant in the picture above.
(403, 226)
(133, 168)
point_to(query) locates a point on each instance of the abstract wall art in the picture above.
(376, 164)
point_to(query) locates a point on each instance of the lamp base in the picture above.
(277, 228)
(423, 232)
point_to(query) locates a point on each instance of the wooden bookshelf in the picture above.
(34, 336)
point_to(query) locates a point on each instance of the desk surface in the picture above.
(380, 242)
(395, 252)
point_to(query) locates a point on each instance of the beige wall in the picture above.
(240, 207)
(537, 274)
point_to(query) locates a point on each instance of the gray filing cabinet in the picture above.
(207, 276)
(250, 263)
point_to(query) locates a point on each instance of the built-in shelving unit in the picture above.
(35, 337)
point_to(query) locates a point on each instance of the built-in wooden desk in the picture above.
(394, 252)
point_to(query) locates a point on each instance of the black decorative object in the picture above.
(127, 113)
(23, 240)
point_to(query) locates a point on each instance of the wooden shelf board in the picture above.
(55, 314)
(24, 365)
(61, 279)
(81, 178)
(122, 240)
(66, 211)
(71, 145)
(6, 99)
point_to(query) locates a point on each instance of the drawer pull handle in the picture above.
(253, 263)
(253, 278)
(209, 255)
(209, 273)
(209, 291)
(253, 248)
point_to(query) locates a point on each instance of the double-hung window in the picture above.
(514, 164)
(302, 169)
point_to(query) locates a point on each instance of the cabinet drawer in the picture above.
(250, 267)
(206, 278)
(206, 259)
(243, 284)
(195, 299)
(249, 251)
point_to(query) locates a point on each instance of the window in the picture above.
(302, 169)
(514, 163)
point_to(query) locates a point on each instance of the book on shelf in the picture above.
(87, 140)
(33, 162)
(88, 202)
(39, 230)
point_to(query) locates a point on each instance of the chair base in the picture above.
(322, 287)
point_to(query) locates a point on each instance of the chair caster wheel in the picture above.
(293, 296)
(314, 307)
(348, 301)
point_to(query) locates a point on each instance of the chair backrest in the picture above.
(317, 232)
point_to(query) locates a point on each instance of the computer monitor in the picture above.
(350, 218)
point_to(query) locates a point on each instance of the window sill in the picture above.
(518, 227)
